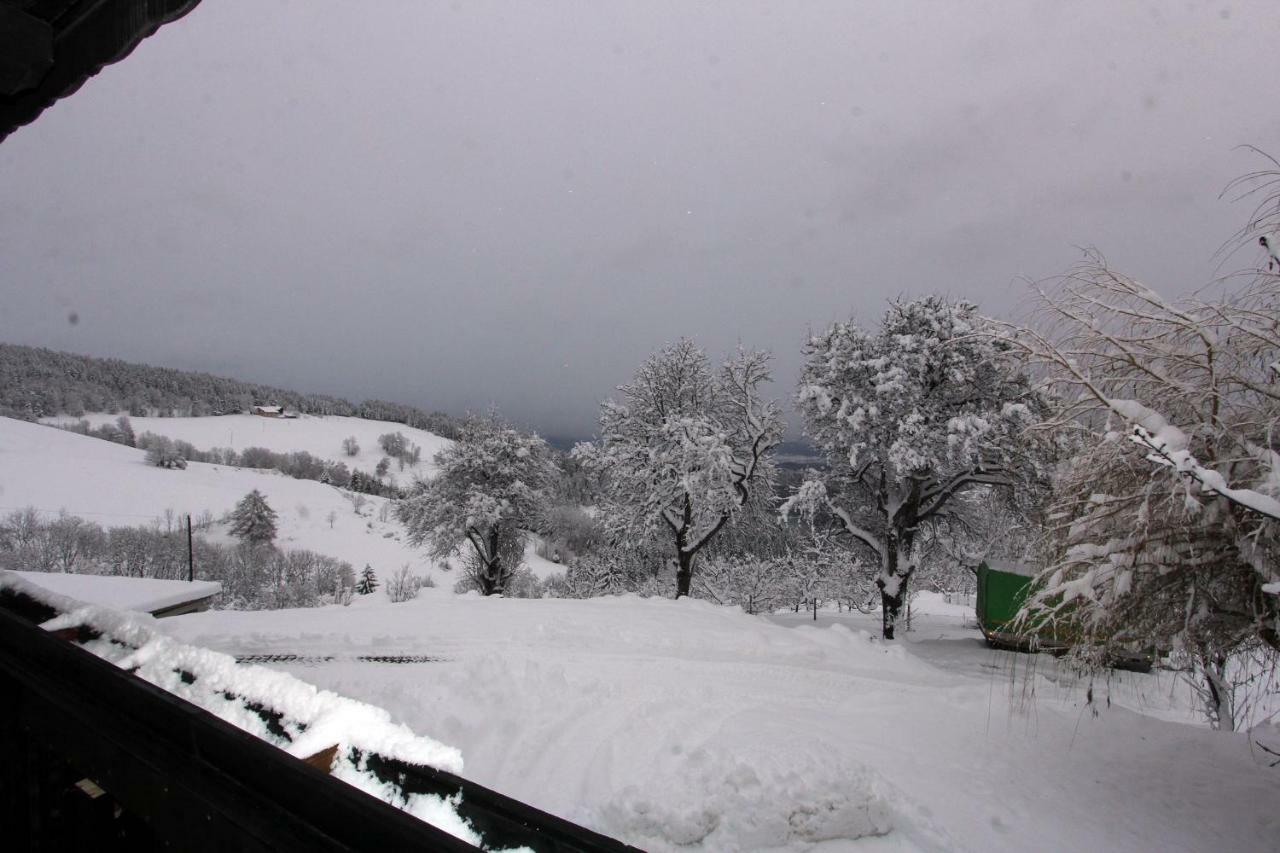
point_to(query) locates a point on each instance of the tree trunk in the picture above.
(490, 578)
(493, 580)
(893, 585)
(684, 572)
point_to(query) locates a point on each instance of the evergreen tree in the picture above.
(253, 520)
(368, 581)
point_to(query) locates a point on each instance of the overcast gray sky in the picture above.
(460, 204)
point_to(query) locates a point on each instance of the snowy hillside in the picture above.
(53, 470)
(320, 436)
(684, 725)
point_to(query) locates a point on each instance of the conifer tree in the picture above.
(368, 580)
(253, 520)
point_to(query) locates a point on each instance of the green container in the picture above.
(1002, 590)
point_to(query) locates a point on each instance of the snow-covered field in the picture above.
(683, 725)
(320, 436)
(53, 470)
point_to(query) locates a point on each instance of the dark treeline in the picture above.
(37, 382)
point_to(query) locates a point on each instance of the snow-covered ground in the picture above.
(110, 484)
(683, 725)
(320, 436)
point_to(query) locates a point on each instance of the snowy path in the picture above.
(683, 725)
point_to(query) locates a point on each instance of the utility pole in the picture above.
(191, 561)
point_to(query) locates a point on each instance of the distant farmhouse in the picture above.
(273, 412)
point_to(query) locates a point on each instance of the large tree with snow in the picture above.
(913, 418)
(1168, 532)
(491, 483)
(684, 449)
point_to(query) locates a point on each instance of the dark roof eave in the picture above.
(87, 35)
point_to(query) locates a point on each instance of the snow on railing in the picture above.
(319, 726)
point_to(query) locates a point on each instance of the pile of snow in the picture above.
(310, 720)
(144, 595)
(110, 484)
(321, 436)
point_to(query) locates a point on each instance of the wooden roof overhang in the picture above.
(49, 48)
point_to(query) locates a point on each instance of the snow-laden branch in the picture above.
(812, 496)
(1182, 461)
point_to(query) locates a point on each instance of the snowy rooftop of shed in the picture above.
(145, 595)
(1023, 569)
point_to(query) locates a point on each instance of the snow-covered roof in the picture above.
(270, 410)
(1026, 570)
(144, 595)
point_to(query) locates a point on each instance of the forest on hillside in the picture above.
(36, 382)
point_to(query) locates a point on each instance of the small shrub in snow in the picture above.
(342, 594)
(567, 531)
(403, 586)
(163, 453)
(524, 584)
(124, 432)
(393, 444)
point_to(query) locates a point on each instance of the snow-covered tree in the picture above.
(1169, 519)
(368, 581)
(394, 444)
(684, 449)
(124, 428)
(913, 417)
(350, 446)
(163, 453)
(253, 520)
(490, 484)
